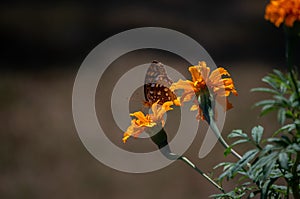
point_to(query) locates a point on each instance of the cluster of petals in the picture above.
(142, 121)
(218, 82)
(283, 11)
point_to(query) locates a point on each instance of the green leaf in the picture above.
(283, 88)
(288, 128)
(296, 147)
(267, 109)
(286, 139)
(237, 133)
(263, 166)
(293, 97)
(266, 187)
(270, 81)
(282, 101)
(247, 157)
(283, 160)
(268, 167)
(280, 75)
(267, 149)
(289, 114)
(279, 188)
(257, 133)
(280, 142)
(281, 116)
(266, 90)
(222, 164)
(227, 151)
(239, 142)
(265, 102)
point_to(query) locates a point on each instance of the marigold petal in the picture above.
(133, 130)
(196, 76)
(167, 106)
(217, 74)
(186, 85)
(177, 102)
(195, 107)
(204, 71)
(140, 116)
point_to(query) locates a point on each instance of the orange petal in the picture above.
(195, 73)
(140, 116)
(204, 71)
(216, 75)
(195, 107)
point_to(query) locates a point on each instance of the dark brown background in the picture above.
(43, 45)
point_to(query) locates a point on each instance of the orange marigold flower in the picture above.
(203, 79)
(283, 11)
(142, 122)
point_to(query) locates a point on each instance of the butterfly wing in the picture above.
(157, 83)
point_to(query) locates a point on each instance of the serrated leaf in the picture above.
(283, 160)
(257, 133)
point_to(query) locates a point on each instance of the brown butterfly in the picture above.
(157, 85)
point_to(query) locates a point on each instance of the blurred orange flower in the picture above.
(283, 11)
(142, 122)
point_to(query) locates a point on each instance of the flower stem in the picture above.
(216, 130)
(290, 41)
(172, 156)
(296, 178)
(206, 105)
(188, 162)
(161, 140)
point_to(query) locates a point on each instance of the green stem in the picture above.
(296, 179)
(172, 156)
(188, 162)
(289, 54)
(161, 140)
(216, 130)
(291, 38)
(206, 104)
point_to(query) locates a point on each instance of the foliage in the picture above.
(270, 169)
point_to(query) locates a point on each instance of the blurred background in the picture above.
(43, 45)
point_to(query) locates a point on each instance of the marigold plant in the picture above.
(271, 168)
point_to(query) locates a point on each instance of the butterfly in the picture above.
(157, 83)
